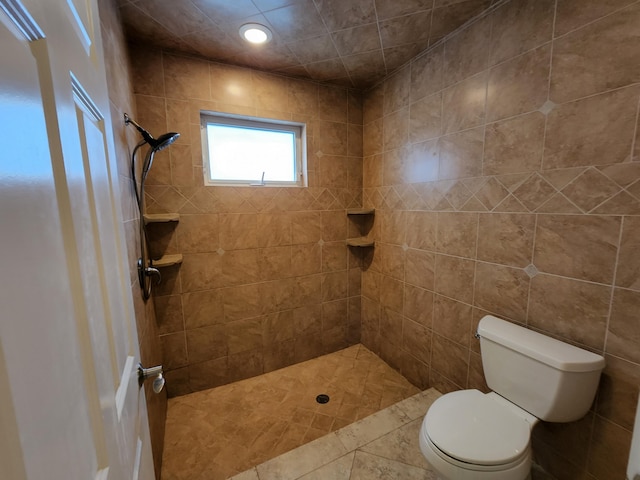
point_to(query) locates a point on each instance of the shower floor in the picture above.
(217, 433)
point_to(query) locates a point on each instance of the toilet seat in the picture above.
(478, 430)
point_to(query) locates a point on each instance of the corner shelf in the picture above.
(365, 222)
(167, 261)
(361, 211)
(161, 218)
(360, 242)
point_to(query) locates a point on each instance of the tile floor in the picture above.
(381, 446)
(217, 433)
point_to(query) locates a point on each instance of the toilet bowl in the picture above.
(469, 435)
(472, 435)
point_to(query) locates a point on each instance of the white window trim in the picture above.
(299, 129)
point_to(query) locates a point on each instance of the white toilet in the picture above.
(471, 435)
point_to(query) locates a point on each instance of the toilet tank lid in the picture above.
(550, 351)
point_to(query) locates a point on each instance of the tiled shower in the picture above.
(503, 167)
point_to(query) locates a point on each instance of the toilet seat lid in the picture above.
(471, 427)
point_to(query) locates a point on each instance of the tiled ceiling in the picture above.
(345, 42)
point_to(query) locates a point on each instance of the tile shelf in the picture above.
(360, 242)
(365, 241)
(157, 218)
(161, 218)
(361, 211)
(167, 261)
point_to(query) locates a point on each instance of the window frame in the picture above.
(300, 151)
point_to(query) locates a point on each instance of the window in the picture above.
(252, 151)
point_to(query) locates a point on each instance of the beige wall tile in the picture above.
(457, 234)
(609, 450)
(421, 233)
(419, 268)
(426, 74)
(425, 118)
(186, 77)
(519, 26)
(200, 271)
(602, 53)
(416, 338)
(506, 239)
(519, 85)
(454, 277)
(502, 290)
(467, 53)
(623, 339)
(573, 14)
(452, 319)
(450, 360)
(514, 145)
(618, 392)
(198, 233)
(583, 247)
(463, 104)
(461, 154)
(391, 294)
(628, 273)
(396, 129)
(174, 350)
(594, 131)
(231, 85)
(169, 314)
(206, 343)
(418, 305)
(202, 309)
(572, 309)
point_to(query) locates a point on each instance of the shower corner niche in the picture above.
(362, 219)
(160, 231)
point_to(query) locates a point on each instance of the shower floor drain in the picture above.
(322, 398)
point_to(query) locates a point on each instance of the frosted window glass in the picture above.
(244, 153)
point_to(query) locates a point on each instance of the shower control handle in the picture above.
(153, 272)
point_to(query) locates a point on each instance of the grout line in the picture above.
(613, 286)
(636, 133)
(593, 21)
(553, 29)
(533, 252)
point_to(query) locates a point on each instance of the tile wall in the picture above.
(267, 280)
(504, 167)
(121, 101)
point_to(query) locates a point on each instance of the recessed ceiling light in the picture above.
(255, 33)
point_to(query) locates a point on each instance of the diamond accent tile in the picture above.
(531, 270)
(405, 247)
(458, 195)
(547, 107)
(220, 251)
(560, 177)
(321, 242)
(534, 192)
(492, 193)
(590, 189)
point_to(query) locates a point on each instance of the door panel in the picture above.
(68, 343)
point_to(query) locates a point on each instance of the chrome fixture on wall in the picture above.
(145, 264)
(151, 372)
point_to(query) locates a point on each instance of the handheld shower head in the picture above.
(145, 268)
(164, 140)
(156, 144)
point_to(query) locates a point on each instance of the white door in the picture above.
(70, 405)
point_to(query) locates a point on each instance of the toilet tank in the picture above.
(550, 379)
